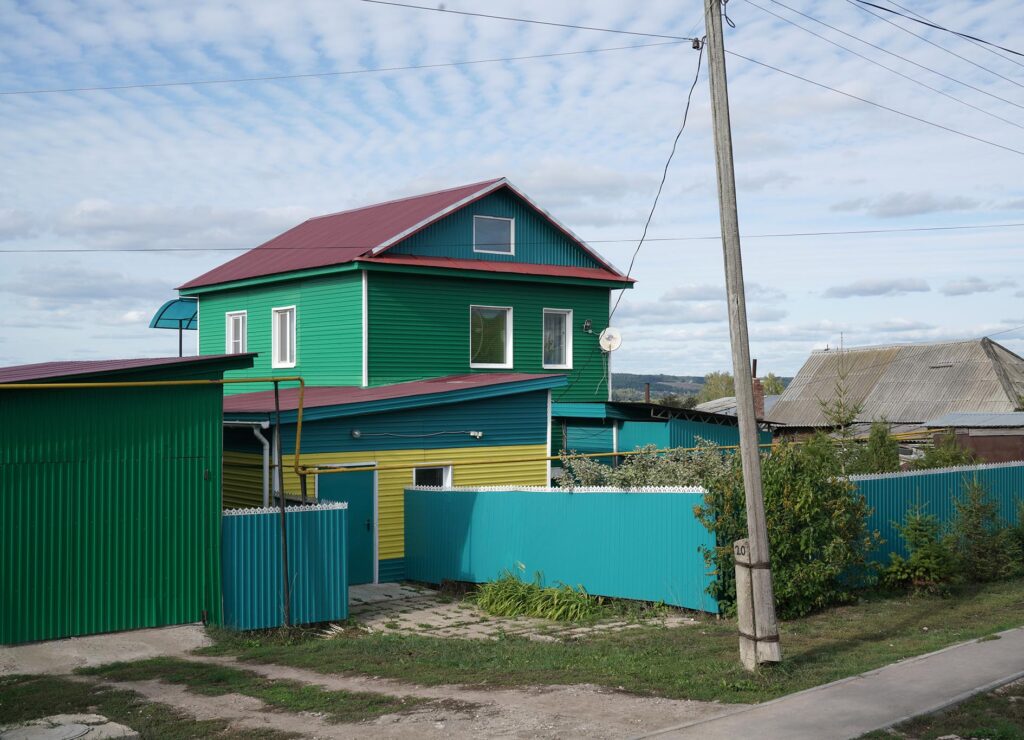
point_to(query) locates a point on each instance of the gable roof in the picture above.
(53, 371)
(905, 383)
(364, 233)
(332, 401)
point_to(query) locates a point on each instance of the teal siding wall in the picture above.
(419, 328)
(633, 434)
(519, 419)
(317, 564)
(679, 433)
(637, 545)
(391, 570)
(892, 495)
(328, 328)
(536, 240)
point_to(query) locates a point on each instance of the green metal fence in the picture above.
(891, 495)
(641, 544)
(317, 565)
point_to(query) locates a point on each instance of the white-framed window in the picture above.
(235, 332)
(436, 475)
(494, 235)
(557, 339)
(490, 337)
(282, 321)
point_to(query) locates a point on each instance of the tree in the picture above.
(772, 384)
(881, 453)
(841, 411)
(717, 384)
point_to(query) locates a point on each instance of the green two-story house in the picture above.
(474, 279)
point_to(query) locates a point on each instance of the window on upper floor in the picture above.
(283, 337)
(490, 337)
(235, 329)
(494, 235)
(557, 339)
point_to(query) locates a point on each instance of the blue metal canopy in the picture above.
(180, 313)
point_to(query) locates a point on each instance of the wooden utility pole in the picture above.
(755, 599)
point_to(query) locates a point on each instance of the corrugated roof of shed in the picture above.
(905, 383)
(340, 238)
(44, 371)
(1010, 420)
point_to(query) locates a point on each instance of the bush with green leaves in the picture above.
(510, 596)
(986, 547)
(946, 454)
(932, 565)
(817, 529)
(879, 454)
(681, 467)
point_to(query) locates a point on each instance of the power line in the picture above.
(979, 45)
(879, 64)
(856, 4)
(941, 28)
(707, 237)
(442, 9)
(664, 173)
(899, 56)
(342, 73)
(878, 105)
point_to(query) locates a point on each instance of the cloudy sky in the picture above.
(88, 179)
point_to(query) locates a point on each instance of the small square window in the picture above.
(494, 235)
(235, 331)
(438, 477)
(490, 337)
(557, 339)
(283, 336)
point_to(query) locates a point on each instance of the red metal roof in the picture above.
(340, 238)
(252, 403)
(71, 368)
(518, 268)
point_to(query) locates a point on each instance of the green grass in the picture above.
(690, 662)
(290, 696)
(998, 715)
(32, 697)
(510, 596)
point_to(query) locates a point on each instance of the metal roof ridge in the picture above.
(482, 183)
(896, 345)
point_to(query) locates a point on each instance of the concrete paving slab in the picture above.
(874, 700)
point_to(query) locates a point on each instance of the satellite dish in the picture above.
(610, 339)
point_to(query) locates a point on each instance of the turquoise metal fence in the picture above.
(891, 495)
(317, 564)
(642, 544)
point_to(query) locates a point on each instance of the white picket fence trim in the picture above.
(552, 489)
(327, 506)
(928, 471)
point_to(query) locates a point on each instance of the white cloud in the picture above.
(895, 205)
(877, 288)
(972, 285)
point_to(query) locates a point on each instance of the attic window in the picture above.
(494, 235)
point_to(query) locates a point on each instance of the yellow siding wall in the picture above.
(391, 484)
(243, 480)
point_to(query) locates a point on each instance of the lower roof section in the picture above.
(321, 402)
(630, 411)
(82, 369)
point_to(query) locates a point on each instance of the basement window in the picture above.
(494, 235)
(283, 336)
(490, 337)
(439, 477)
(235, 331)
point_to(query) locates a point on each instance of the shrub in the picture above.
(932, 564)
(986, 548)
(510, 596)
(880, 454)
(946, 454)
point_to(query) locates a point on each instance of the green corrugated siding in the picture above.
(636, 545)
(891, 496)
(329, 347)
(419, 328)
(536, 240)
(110, 509)
(520, 419)
(633, 434)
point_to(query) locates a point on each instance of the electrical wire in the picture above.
(648, 240)
(898, 112)
(343, 73)
(856, 4)
(883, 66)
(664, 172)
(898, 56)
(942, 28)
